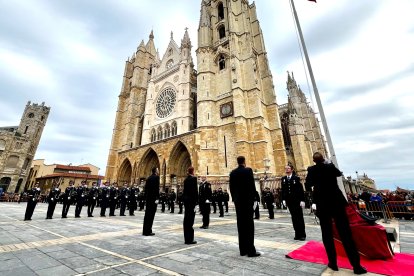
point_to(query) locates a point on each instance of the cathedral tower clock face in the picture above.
(165, 103)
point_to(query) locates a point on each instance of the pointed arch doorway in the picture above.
(125, 172)
(148, 161)
(180, 161)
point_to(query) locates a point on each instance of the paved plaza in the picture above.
(115, 246)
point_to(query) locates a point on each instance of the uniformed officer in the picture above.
(163, 199)
(113, 198)
(124, 198)
(134, 194)
(141, 200)
(52, 198)
(190, 198)
(293, 197)
(32, 198)
(214, 201)
(220, 199)
(152, 193)
(81, 196)
(171, 198)
(269, 199)
(204, 198)
(68, 198)
(257, 204)
(180, 202)
(104, 196)
(92, 198)
(226, 198)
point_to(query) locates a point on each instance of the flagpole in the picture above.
(318, 99)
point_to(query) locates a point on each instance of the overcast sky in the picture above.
(71, 54)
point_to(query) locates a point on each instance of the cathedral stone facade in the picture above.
(18, 145)
(171, 116)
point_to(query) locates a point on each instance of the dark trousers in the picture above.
(257, 211)
(172, 204)
(132, 206)
(51, 209)
(180, 206)
(150, 210)
(221, 210)
(214, 207)
(188, 223)
(297, 219)
(344, 230)
(104, 205)
(141, 205)
(31, 205)
(270, 210)
(65, 208)
(78, 208)
(226, 206)
(122, 208)
(91, 206)
(163, 207)
(112, 206)
(245, 227)
(205, 211)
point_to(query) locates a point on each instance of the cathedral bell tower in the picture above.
(236, 102)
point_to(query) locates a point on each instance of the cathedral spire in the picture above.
(186, 42)
(150, 45)
(141, 46)
(204, 16)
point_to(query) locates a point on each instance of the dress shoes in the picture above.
(243, 254)
(360, 270)
(193, 242)
(299, 238)
(334, 267)
(256, 254)
(149, 234)
(204, 227)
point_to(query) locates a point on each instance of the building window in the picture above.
(31, 115)
(12, 161)
(25, 131)
(167, 131)
(222, 32)
(159, 135)
(169, 64)
(174, 129)
(220, 11)
(26, 162)
(153, 135)
(222, 62)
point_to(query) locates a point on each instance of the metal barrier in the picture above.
(401, 209)
(389, 210)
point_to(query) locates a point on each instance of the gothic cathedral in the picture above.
(171, 116)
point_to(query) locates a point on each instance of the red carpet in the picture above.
(402, 264)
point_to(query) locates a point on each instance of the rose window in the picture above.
(165, 103)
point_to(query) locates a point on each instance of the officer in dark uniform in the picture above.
(104, 196)
(163, 199)
(172, 197)
(214, 201)
(257, 204)
(52, 198)
(92, 198)
(68, 198)
(152, 193)
(190, 198)
(141, 200)
(293, 197)
(204, 198)
(32, 198)
(220, 198)
(134, 194)
(124, 198)
(81, 197)
(113, 198)
(243, 190)
(180, 202)
(226, 199)
(269, 199)
(330, 205)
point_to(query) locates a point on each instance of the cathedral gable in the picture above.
(171, 57)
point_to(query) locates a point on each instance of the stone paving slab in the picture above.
(115, 246)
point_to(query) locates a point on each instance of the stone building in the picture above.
(302, 134)
(18, 145)
(171, 116)
(46, 175)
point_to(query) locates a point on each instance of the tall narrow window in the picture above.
(25, 131)
(222, 62)
(222, 32)
(220, 10)
(174, 129)
(159, 137)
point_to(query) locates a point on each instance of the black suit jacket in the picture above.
(242, 187)
(326, 193)
(292, 189)
(190, 192)
(152, 188)
(205, 192)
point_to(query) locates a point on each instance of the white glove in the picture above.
(255, 205)
(284, 203)
(195, 209)
(302, 204)
(313, 206)
(156, 202)
(207, 201)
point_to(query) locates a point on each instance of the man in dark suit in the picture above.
(92, 196)
(81, 196)
(190, 199)
(330, 205)
(104, 196)
(152, 193)
(293, 197)
(32, 198)
(52, 199)
(243, 191)
(205, 201)
(68, 198)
